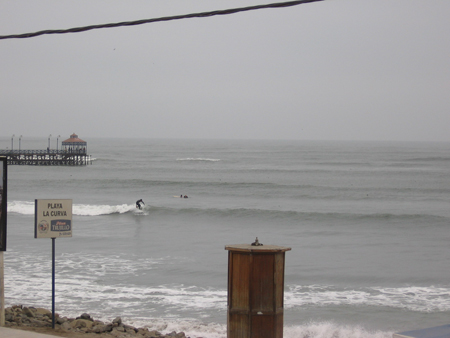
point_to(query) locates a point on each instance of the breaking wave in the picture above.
(27, 208)
(198, 159)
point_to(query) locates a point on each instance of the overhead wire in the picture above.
(167, 18)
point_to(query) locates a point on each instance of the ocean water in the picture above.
(368, 224)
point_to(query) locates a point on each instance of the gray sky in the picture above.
(331, 70)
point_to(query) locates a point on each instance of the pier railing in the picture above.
(50, 151)
(51, 157)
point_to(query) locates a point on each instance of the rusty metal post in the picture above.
(255, 290)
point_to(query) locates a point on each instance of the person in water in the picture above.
(138, 203)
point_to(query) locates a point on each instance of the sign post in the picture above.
(53, 219)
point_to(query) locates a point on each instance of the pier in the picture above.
(72, 153)
(45, 157)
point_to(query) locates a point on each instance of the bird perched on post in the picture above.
(256, 242)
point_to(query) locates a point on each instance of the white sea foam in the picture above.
(332, 330)
(84, 273)
(96, 210)
(192, 328)
(424, 299)
(421, 299)
(198, 159)
(81, 288)
(21, 207)
(81, 273)
(28, 208)
(197, 329)
(82, 284)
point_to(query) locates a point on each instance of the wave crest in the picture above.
(97, 210)
(199, 159)
(27, 208)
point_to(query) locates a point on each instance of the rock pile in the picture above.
(19, 315)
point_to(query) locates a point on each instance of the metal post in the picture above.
(53, 283)
(12, 142)
(49, 142)
(57, 138)
(2, 291)
(20, 139)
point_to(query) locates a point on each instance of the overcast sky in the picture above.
(330, 70)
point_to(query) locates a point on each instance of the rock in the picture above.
(85, 316)
(153, 334)
(119, 332)
(117, 321)
(119, 328)
(129, 328)
(81, 323)
(61, 320)
(66, 326)
(141, 331)
(102, 328)
(27, 312)
(131, 331)
(19, 315)
(39, 323)
(18, 320)
(44, 312)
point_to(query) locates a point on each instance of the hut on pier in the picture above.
(74, 145)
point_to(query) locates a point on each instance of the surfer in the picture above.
(138, 203)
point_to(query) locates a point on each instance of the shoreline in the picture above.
(40, 320)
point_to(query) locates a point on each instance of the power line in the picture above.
(167, 18)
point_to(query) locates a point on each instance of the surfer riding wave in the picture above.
(139, 204)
